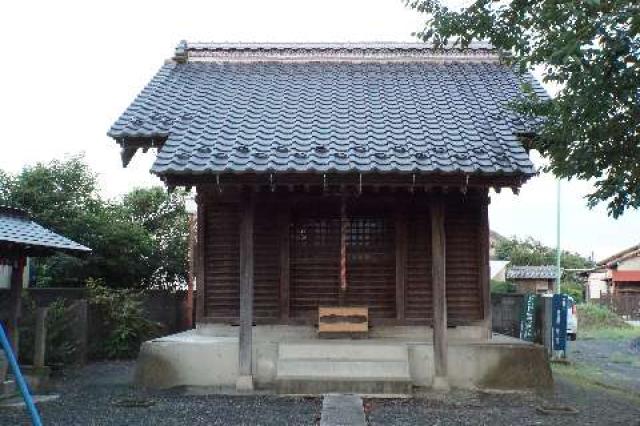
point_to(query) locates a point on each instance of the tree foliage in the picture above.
(164, 218)
(137, 242)
(591, 50)
(124, 319)
(529, 252)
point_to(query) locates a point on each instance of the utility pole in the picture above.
(558, 251)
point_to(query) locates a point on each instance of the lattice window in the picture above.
(313, 233)
(368, 238)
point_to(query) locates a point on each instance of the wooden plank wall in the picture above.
(266, 297)
(464, 298)
(418, 292)
(314, 246)
(462, 227)
(222, 262)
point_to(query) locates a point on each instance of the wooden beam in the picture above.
(15, 299)
(401, 259)
(245, 380)
(337, 180)
(126, 154)
(483, 259)
(200, 258)
(284, 219)
(438, 270)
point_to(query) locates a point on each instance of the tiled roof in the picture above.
(403, 114)
(545, 272)
(16, 227)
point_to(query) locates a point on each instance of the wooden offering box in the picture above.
(343, 321)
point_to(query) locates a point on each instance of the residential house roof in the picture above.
(355, 107)
(17, 229)
(545, 272)
(625, 254)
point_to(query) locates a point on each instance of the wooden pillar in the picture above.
(438, 270)
(284, 218)
(401, 261)
(200, 261)
(15, 300)
(483, 259)
(191, 255)
(245, 379)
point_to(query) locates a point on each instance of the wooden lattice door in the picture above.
(314, 259)
(370, 258)
(315, 243)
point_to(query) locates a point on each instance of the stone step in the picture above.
(315, 369)
(362, 387)
(343, 351)
(342, 367)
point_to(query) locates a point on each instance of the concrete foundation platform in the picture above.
(290, 359)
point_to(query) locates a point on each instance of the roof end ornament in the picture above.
(181, 54)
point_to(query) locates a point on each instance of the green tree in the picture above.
(164, 217)
(591, 50)
(59, 194)
(136, 242)
(529, 252)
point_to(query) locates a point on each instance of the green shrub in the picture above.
(502, 287)
(574, 290)
(124, 320)
(592, 316)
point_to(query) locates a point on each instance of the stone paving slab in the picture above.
(342, 410)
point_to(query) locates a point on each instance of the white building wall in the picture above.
(596, 284)
(5, 276)
(632, 264)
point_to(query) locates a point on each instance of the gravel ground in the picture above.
(617, 360)
(594, 406)
(91, 396)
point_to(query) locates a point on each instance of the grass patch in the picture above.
(579, 372)
(627, 359)
(598, 322)
(610, 333)
(588, 376)
(596, 316)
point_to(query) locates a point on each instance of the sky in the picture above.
(69, 68)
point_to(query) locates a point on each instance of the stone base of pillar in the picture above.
(244, 384)
(440, 384)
